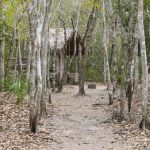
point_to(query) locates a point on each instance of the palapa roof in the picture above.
(59, 36)
(57, 41)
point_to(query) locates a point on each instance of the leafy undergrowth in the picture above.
(14, 127)
(131, 132)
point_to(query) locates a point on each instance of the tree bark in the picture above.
(110, 90)
(123, 60)
(19, 60)
(2, 48)
(44, 53)
(114, 61)
(134, 77)
(29, 62)
(105, 73)
(130, 78)
(81, 72)
(144, 64)
(32, 98)
(39, 17)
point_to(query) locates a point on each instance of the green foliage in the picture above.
(89, 4)
(94, 62)
(147, 3)
(119, 79)
(20, 88)
(10, 9)
(66, 10)
(92, 75)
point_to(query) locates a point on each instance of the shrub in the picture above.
(18, 87)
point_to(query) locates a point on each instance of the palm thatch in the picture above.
(61, 39)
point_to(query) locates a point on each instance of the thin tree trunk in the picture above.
(33, 82)
(114, 61)
(54, 60)
(2, 48)
(29, 61)
(48, 76)
(123, 79)
(130, 66)
(15, 44)
(81, 72)
(115, 69)
(39, 15)
(62, 80)
(105, 73)
(123, 60)
(44, 52)
(54, 71)
(76, 65)
(19, 53)
(110, 92)
(87, 42)
(62, 77)
(134, 78)
(144, 64)
(75, 32)
(7, 66)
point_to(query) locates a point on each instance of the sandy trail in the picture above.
(73, 123)
(83, 123)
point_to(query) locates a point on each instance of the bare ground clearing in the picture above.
(73, 123)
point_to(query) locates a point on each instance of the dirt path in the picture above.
(73, 123)
(79, 124)
(83, 123)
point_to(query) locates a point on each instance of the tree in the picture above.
(39, 18)
(134, 75)
(2, 47)
(144, 64)
(87, 42)
(110, 88)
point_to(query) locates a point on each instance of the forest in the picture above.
(74, 75)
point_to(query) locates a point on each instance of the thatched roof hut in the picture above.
(61, 39)
(63, 43)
